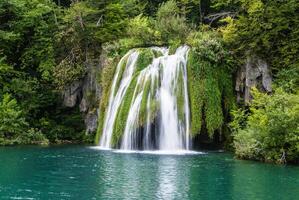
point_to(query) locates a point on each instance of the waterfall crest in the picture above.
(158, 114)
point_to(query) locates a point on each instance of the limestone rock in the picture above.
(71, 94)
(254, 73)
(91, 122)
(86, 93)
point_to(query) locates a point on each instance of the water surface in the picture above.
(76, 172)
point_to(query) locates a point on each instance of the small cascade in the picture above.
(116, 99)
(158, 117)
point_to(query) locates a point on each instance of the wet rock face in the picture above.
(86, 94)
(254, 73)
(71, 94)
(91, 120)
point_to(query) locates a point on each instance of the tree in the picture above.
(12, 121)
(266, 28)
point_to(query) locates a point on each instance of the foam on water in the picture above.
(154, 152)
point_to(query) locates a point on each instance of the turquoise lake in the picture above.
(78, 172)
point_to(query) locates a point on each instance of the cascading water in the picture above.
(159, 115)
(116, 99)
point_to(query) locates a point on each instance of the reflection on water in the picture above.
(169, 171)
(83, 173)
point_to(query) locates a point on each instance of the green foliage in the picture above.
(85, 27)
(114, 23)
(168, 27)
(193, 9)
(32, 136)
(145, 58)
(65, 125)
(171, 25)
(69, 70)
(26, 35)
(28, 56)
(271, 131)
(12, 121)
(140, 32)
(266, 28)
(239, 119)
(213, 107)
(209, 82)
(196, 91)
(209, 47)
(13, 126)
(288, 79)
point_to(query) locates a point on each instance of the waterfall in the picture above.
(116, 99)
(158, 117)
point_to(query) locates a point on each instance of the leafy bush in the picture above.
(12, 121)
(271, 132)
(140, 32)
(170, 23)
(169, 27)
(209, 46)
(288, 79)
(70, 69)
(13, 126)
(32, 136)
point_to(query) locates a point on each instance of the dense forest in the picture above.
(47, 46)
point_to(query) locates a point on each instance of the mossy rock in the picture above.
(145, 58)
(106, 79)
(180, 97)
(195, 89)
(121, 71)
(157, 54)
(122, 115)
(210, 93)
(143, 107)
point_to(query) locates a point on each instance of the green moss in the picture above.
(195, 88)
(157, 54)
(121, 71)
(145, 58)
(174, 44)
(180, 96)
(122, 115)
(210, 93)
(101, 119)
(213, 107)
(106, 79)
(143, 107)
(225, 80)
